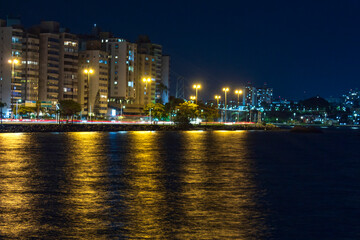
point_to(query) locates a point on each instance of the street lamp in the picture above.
(225, 90)
(196, 87)
(88, 71)
(192, 98)
(146, 81)
(238, 92)
(217, 97)
(13, 62)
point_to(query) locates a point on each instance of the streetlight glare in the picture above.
(197, 86)
(91, 71)
(14, 61)
(225, 89)
(146, 80)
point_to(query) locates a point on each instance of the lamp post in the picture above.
(217, 97)
(196, 87)
(225, 90)
(88, 71)
(146, 81)
(13, 62)
(238, 92)
(192, 98)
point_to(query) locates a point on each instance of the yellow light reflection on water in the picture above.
(86, 198)
(145, 194)
(16, 200)
(218, 191)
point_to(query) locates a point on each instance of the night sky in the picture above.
(300, 48)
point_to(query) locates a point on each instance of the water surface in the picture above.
(180, 185)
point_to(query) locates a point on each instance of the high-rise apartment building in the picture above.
(30, 67)
(264, 95)
(49, 67)
(58, 62)
(154, 52)
(93, 86)
(146, 68)
(68, 72)
(11, 84)
(123, 77)
(249, 96)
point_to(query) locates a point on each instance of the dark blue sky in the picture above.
(300, 48)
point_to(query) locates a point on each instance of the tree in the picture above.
(185, 112)
(69, 108)
(157, 110)
(22, 110)
(209, 113)
(2, 105)
(170, 107)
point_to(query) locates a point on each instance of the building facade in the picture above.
(93, 87)
(123, 77)
(30, 67)
(68, 67)
(11, 85)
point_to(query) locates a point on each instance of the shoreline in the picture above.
(17, 128)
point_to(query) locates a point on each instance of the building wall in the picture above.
(155, 52)
(68, 72)
(146, 69)
(249, 96)
(264, 95)
(11, 89)
(122, 69)
(93, 95)
(30, 67)
(49, 67)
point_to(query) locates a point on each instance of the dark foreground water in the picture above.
(180, 185)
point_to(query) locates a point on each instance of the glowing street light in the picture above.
(225, 90)
(217, 97)
(192, 98)
(196, 87)
(146, 81)
(238, 92)
(88, 71)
